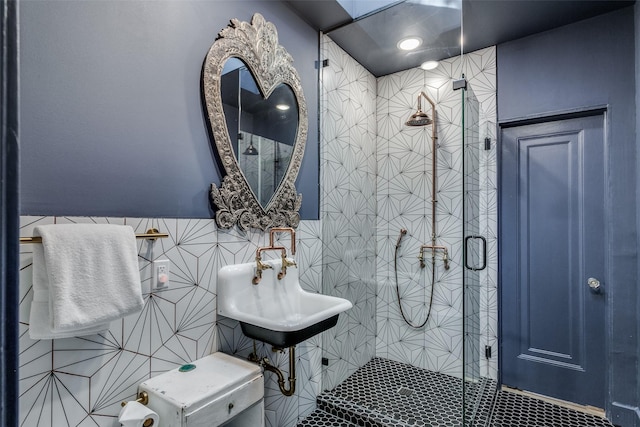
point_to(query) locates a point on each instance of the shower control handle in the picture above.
(594, 285)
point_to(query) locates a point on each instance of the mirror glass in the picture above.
(262, 130)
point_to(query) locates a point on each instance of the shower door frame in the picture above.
(474, 256)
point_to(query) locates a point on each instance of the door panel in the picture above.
(552, 235)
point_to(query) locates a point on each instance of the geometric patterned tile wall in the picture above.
(81, 381)
(348, 208)
(404, 201)
(383, 165)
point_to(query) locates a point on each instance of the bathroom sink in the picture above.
(278, 312)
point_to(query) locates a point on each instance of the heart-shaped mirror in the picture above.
(258, 119)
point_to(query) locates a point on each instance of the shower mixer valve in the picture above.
(433, 248)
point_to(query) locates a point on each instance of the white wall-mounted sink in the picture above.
(278, 312)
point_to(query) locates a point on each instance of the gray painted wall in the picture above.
(112, 119)
(588, 64)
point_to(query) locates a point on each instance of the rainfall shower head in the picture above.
(420, 118)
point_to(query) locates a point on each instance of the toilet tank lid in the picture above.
(213, 376)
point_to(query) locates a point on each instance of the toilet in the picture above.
(217, 390)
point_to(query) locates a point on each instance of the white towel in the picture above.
(40, 319)
(86, 275)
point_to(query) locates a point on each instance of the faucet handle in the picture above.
(263, 265)
(260, 266)
(288, 262)
(421, 258)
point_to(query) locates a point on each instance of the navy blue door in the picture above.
(552, 270)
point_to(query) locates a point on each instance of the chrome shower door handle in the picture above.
(594, 285)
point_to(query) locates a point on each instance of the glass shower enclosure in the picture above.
(376, 211)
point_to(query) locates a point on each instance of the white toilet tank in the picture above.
(213, 391)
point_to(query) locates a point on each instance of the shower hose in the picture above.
(433, 280)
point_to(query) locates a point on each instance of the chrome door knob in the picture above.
(594, 285)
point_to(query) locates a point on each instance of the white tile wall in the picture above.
(348, 209)
(393, 163)
(81, 381)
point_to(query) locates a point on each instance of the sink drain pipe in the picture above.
(266, 364)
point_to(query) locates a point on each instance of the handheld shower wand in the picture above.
(406, 319)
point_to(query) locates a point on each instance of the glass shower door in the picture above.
(479, 388)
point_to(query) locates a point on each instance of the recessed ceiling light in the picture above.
(282, 107)
(429, 65)
(409, 43)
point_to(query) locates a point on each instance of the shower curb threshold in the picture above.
(360, 415)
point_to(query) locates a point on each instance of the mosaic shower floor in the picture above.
(386, 393)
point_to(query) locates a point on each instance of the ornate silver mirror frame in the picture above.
(256, 44)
